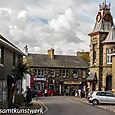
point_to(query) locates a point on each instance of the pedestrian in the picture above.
(76, 93)
(45, 92)
(23, 93)
(28, 96)
(67, 92)
(79, 92)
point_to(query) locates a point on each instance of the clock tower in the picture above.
(103, 24)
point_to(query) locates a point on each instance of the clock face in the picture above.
(108, 17)
(98, 18)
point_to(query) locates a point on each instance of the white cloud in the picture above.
(63, 21)
(22, 14)
(43, 24)
(5, 11)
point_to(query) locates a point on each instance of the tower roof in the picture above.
(104, 19)
(110, 39)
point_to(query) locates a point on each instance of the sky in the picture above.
(43, 24)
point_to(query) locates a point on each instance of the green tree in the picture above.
(21, 69)
(18, 72)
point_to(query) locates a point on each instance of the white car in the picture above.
(98, 97)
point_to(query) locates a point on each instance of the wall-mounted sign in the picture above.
(72, 83)
(39, 79)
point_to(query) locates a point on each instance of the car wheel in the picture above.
(95, 102)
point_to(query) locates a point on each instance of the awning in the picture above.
(92, 77)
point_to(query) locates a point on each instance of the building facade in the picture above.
(113, 72)
(10, 55)
(102, 43)
(58, 72)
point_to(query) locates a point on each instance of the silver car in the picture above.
(98, 97)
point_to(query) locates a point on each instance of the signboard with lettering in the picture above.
(39, 79)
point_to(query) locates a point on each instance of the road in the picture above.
(65, 105)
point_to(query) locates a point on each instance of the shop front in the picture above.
(68, 87)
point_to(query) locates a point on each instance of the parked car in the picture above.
(97, 97)
(51, 92)
(40, 93)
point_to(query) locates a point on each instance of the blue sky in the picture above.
(43, 24)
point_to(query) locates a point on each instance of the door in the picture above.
(101, 97)
(110, 98)
(109, 82)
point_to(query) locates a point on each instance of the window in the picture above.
(14, 59)
(84, 74)
(19, 58)
(35, 71)
(75, 73)
(52, 72)
(109, 95)
(1, 55)
(94, 53)
(40, 73)
(67, 73)
(108, 56)
(64, 73)
(3, 91)
(101, 93)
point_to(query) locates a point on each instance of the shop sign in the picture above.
(72, 83)
(40, 79)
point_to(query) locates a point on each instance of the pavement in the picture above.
(36, 104)
(109, 107)
(35, 108)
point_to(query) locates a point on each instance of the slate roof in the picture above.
(111, 36)
(59, 61)
(9, 45)
(92, 77)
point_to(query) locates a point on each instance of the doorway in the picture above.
(109, 82)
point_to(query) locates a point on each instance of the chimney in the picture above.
(26, 49)
(83, 54)
(51, 53)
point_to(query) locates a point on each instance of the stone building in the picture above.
(102, 43)
(58, 72)
(10, 55)
(113, 72)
